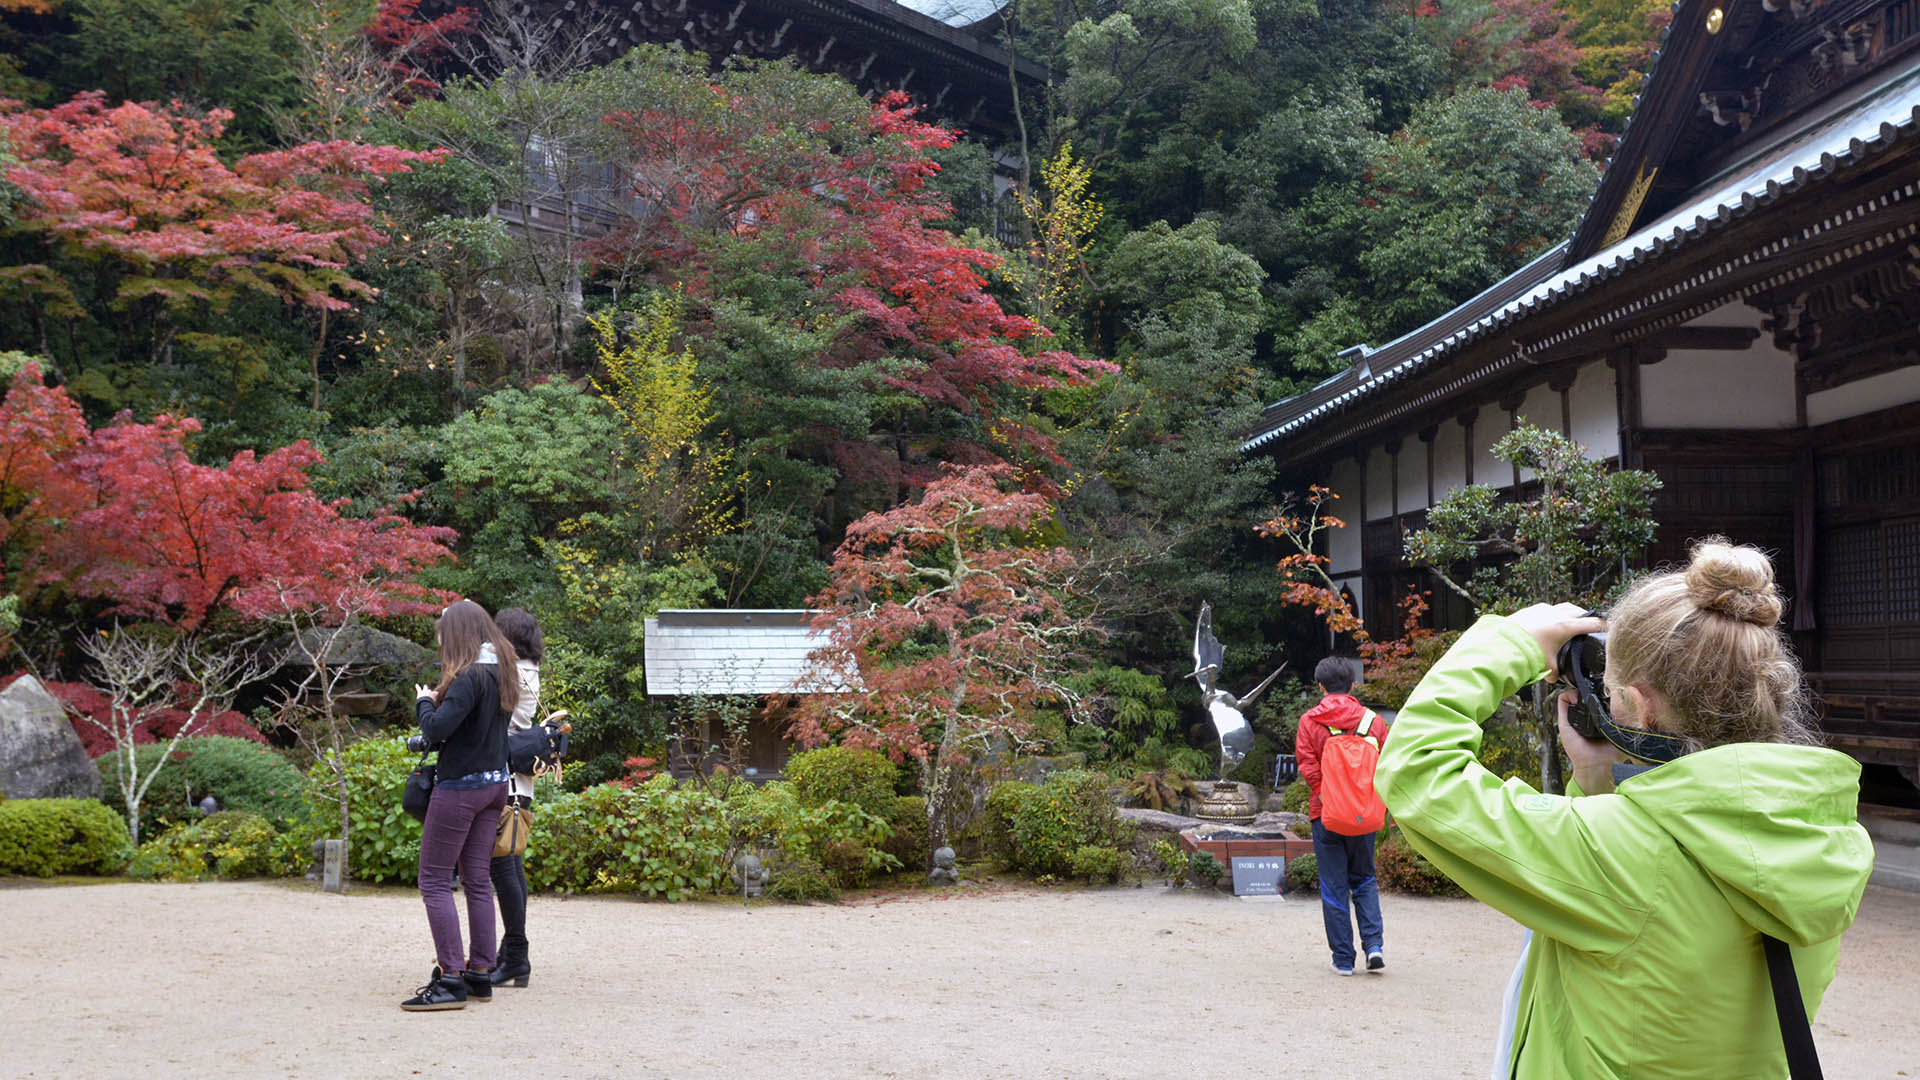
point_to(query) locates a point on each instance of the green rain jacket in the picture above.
(1646, 905)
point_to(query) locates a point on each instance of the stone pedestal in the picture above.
(332, 878)
(1225, 800)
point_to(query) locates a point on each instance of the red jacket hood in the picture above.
(1341, 711)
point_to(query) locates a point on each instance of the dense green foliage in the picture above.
(1038, 828)
(227, 845)
(240, 775)
(821, 305)
(44, 837)
(385, 842)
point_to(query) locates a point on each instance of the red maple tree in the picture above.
(947, 630)
(855, 212)
(142, 185)
(161, 537)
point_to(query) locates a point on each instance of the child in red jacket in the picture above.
(1345, 862)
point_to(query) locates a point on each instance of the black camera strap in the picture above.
(1802, 1062)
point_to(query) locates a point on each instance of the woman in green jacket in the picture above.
(1646, 890)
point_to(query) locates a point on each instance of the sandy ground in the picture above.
(273, 979)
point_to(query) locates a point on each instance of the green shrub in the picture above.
(800, 879)
(1037, 828)
(848, 841)
(385, 844)
(655, 839)
(1097, 863)
(863, 778)
(1399, 868)
(907, 821)
(240, 774)
(1207, 869)
(1303, 874)
(44, 837)
(227, 845)
(1294, 799)
(1175, 861)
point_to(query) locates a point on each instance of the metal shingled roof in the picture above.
(1857, 125)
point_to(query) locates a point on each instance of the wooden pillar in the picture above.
(1626, 387)
(1393, 480)
(1427, 435)
(1512, 406)
(1562, 384)
(1466, 420)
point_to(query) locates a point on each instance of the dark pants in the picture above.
(1346, 873)
(459, 831)
(510, 885)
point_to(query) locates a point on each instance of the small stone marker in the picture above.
(336, 861)
(1258, 875)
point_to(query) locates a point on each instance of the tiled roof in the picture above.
(728, 651)
(1857, 125)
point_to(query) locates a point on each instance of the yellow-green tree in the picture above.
(682, 474)
(1063, 219)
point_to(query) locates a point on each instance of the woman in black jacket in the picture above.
(465, 717)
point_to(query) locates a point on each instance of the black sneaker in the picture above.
(1375, 961)
(439, 995)
(479, 987)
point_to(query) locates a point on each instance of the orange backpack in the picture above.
(1348, 804)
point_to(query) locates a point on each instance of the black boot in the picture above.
(441, 994)
(513, 970)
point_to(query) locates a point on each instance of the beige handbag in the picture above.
(516, 822)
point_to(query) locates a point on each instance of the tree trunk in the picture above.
(1546, 724)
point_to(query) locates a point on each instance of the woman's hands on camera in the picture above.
(1553, 625)
(1592, 759)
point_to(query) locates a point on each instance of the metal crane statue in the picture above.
(1236, 737)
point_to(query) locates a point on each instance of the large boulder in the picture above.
(40, 756)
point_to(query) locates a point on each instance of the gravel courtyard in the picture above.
(267, 979)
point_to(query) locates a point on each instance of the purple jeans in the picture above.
(459, 828)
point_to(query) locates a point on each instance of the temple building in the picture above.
(1738, 311)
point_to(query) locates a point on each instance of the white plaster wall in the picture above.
(1748, 389)
(1343, 545)
(1596, 411)
(1449, 459)
(1379, 484)
(1541, 409)
(1489, 428)
(1882, 391)
(1413, 475)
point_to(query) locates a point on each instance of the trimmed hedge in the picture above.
(44, 837)
(241, 775)
(863, 778)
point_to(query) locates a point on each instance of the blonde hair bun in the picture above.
(1733, 580)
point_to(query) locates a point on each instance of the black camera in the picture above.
(1583, 664)
(417, 744)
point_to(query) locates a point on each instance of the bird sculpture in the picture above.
(1229, 722)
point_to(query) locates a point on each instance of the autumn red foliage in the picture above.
(946, 630)
(407, 39)
(140, 524)
(143, 185)
(159, 726)
(857, 214)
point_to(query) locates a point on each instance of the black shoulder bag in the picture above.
(419, 790)
(1802, 1062)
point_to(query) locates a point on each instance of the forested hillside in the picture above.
(774, 306)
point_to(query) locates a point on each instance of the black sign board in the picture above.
(1258, 875)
